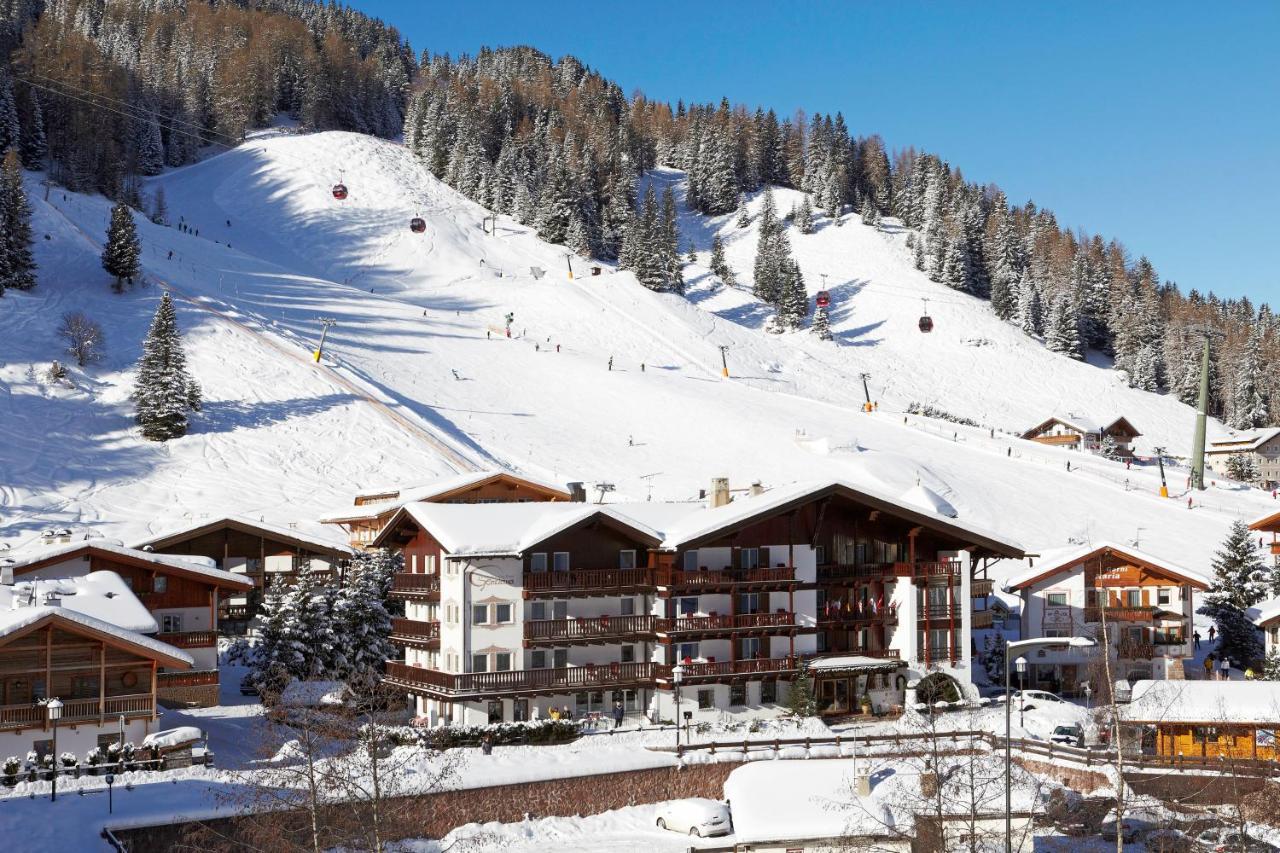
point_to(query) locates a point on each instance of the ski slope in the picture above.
(420, 379)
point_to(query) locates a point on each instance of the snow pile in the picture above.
(173, 738)
(314, 694)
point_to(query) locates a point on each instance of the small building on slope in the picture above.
(1208, 719)
(1260, 446)
(1084, 433)
(1270, 524)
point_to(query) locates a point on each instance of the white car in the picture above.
(1028, 699)
(694, 816)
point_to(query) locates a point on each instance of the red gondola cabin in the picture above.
(926, 323)
(339, 191)
(823, 299)
(417, 225)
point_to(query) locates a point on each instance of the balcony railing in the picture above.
(854, 618)
(982, 619)
(845, 571)
(940, 612)
(198, 678)
(702, 579)
(413, 632)
(1135, 651)
(1120, 614)
(189, 639)
(938, 654)
(598, 629)
(534, 681)
(77, 711)
(588, 581)
(739, 622)
(412, 585)
(981, 587)
(943, 568)
(712, 670)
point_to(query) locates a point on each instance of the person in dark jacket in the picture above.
(618, 713)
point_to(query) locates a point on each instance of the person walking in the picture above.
(1225, 669)
(1212, 630)
(618, 713)
(1196, 636)
(486, 744)
(1208, 666)
(611, 362)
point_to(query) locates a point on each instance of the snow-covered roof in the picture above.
(1271, 521)
(494, 530)
(12, 621)
(1205, 702)
(314, 694)
(35, 559)
(1264, 611)
(1243, 441)
(102, 595)
(850, 662)
(707, 522)
(1065, 559)
(1082, 423)
(927, 499)
(426, 492)
(322, 540)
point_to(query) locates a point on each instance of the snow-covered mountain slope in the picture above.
(420, 379)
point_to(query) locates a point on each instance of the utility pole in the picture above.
(325, 322)
(724, 361)
(1202, 417)
(866, 407)
(568, 259)
(1164, 486)
(823, 276)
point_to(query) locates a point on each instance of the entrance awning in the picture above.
(853, 665)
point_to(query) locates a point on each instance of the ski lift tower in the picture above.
(1202, 417)
(724, 360)
(604, 489)
(325, 323)
(866, 407)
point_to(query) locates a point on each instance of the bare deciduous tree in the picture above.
(84, 337)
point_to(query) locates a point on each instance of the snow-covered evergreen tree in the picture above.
(870, 211)
(364, 625)
(34, 146)
(793, 304)
(1242, 468)
(122, 251)
(719, 266)
(1062, 331)
(1248, 405)
(1239, 577)
(10, 129)
(744, 217)
(162, 393)
(309, 640)
(804, 216)
(17, 266)
(821, 323)
(1028, 304)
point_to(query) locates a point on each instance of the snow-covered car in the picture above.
(695, 816)
(1169, 840)
(1028, 699)
(1228, 841)
(1070, 735)
(1129, 828)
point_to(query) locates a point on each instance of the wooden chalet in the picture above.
(1207, 719)
(1082, 433)
(1270, 524)
(371, 510)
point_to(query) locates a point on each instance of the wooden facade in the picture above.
(1217, 740)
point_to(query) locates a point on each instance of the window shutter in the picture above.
(1146, 598)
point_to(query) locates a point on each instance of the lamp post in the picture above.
(1088, 693)
(54, 709)
(677, 678)
(1056, 643)
(1021, 664)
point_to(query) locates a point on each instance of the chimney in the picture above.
(577, 493)
(52, 599)
(757, 488)
(719, 491)
(6, 575)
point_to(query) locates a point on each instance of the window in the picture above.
(1164, 595)
(750, 558)
(628, 654)
(537, 562)
(626, 559)
(689, 606)
(43, 747)
(502, 662)
(749, 602)
(768, 691)
(171, 624)
(687, 651)
(820, 555)
(738, 693)
(538, 659)
(560, 561)
(105, 741)
(706, 699)
(479, 614)
(627, 607)
(479, 663)
(560, 658)
(495, 711)
(1133, 597)
(84, 687)
(690, 561)
(538, 610)
(502, 614)
(749, 648)
(1205, 734)
(1056, 632)
(1057, 599)
(520, 710)
(159, 584)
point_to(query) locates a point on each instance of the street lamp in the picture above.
(1055, 643)
(1088, 693)
(1021, 664)
(677, 678)
(54, 708)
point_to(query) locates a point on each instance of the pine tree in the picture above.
(1239, 578)
(159, 208)
(1062, 331)
(821, 323)
(1248, 405)
(34, 146)
(719, 266)
(17, 266)
(120, 255)
(308, 641)
(793, 305)
(363, 622)
(576, 238)
(148, 149)
(1028, 304)
(163, 391)
(955, 265)
(744, 218)
(10, 130)
(1242, 469)
(800, 698)
(804, 216)
(870, 212)
(1271, 666)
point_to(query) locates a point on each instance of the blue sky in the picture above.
(1156, 123)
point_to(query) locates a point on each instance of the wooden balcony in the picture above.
(703, 580)
(940, 612)
(1135, 651)
(603, 629)
(981, 587)
(197, 678)
(587, 582)
(1275, 548)
(412, 632)
(939, 654)
(925, 570)
(483, 685)
(1120, 614)
(982, 619)
(715, 625)
(78, 711)
(695, 673)
(843, 572)
(416, 586)
(189, 639)
(857, 619)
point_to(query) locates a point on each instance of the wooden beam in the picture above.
(102, 682)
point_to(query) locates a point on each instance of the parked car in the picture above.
(1129, 828)
(1028, 699)
(1169, 841)
(1070, 735)
(695, 816)
(1228, 841)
